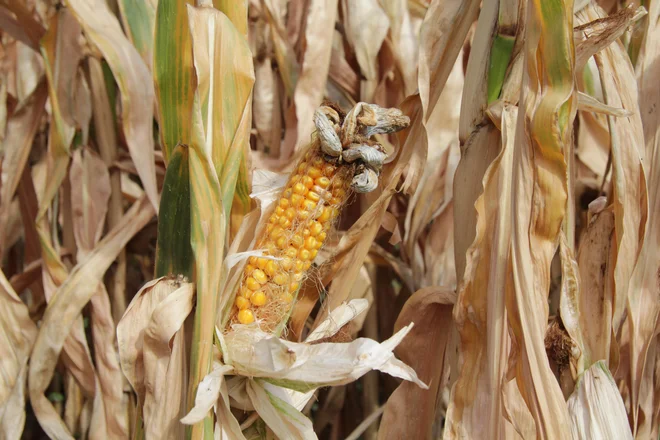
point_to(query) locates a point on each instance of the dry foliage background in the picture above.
(516, 221)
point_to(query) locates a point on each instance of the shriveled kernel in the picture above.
(281, 279)
(323, 182)
(284, 203)
(286, 297)
(260, 276)
(310, 243)
(314, 172)
(308, 205)
(271, 268)
(299, 188)
(242, 303)
(297, 200)
(245, 317)
(314, 197)
(315, 228)
(307, 181)
(293, 287)
(258, 299)
(329, 170)
(297, 240)
(291, 252)
(303, 255)
(324, 194)
(290, 213)
(252, 284)
(286, 263)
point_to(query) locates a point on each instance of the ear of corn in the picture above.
(297, 228)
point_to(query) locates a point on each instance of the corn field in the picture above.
(332, 219)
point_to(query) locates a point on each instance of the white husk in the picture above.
(596, 407)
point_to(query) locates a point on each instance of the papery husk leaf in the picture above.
(66, 305)
(302, 366)
(430, 309)
(18, 335)
(207, 394)
(596, 407)
(134, 80)
(282, 418)
(644, 289)
(476, 401)
(165, 361)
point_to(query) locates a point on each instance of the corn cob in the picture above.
(299, 223)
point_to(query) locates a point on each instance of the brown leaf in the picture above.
(410, 411)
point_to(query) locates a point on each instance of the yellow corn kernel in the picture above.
(314, 172)
(281, 279)
(308, 205)
(291, 252)
(320, 239)
(261, 263)
(298, 265)
(297, 240)
(310, 243)
(286, 263)
(245, 292)
(253, 261)
(279, 211)
(299, 188)
(323, 216)
(285, 222)
(307, 181)
(313, 254)
(302, 166)
(282, 242)
(297, 200)
(315, 228)
(260, 276)
(242, 303)
(303, 215)
(336, 201)
(286, 194)
(269, 228)
(276, 232)
(286, 297)
(314, 197)
(307, 265)
(297, 277)
(303, 255)
(271, 268)
(245, 317)
(305, 233)
(258, 299)
(249, 268)
(284, 203)
(318, 162)
(339, 192)
(272, 219)
(323, 182)
(329, 170)
(293, 287)
(252, 284)
(290, 213)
